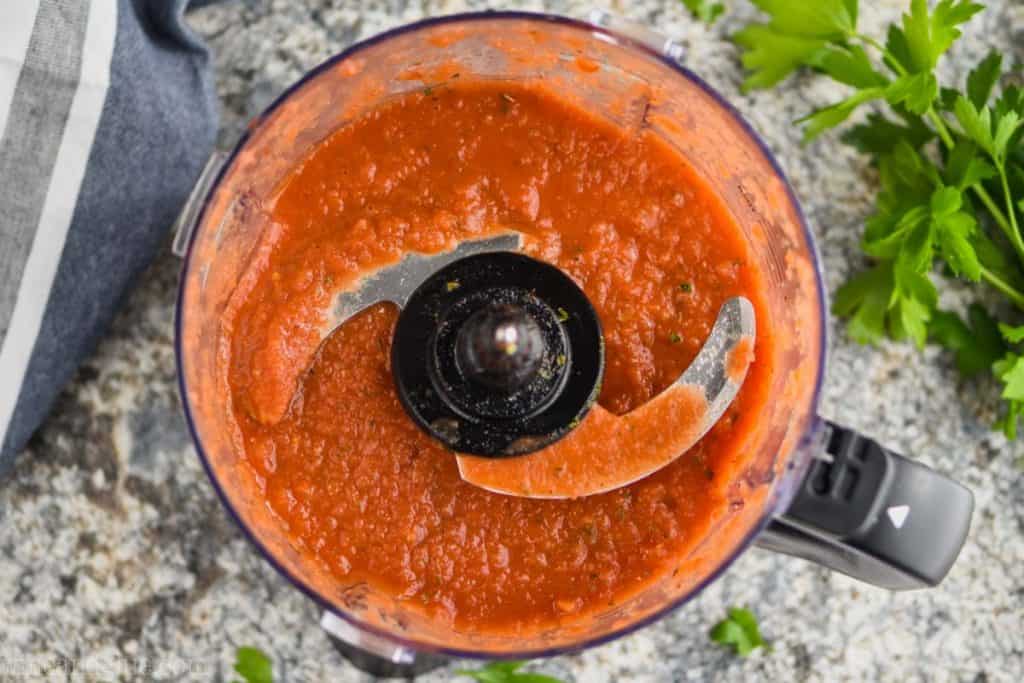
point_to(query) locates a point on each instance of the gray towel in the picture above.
(107, 114)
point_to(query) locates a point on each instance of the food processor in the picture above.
(812, 489)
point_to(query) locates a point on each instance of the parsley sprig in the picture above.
(253, 665)
(505, 672)
(738, 631)
(705, 10)
(950, 164)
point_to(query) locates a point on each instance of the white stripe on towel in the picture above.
(16, 21)
(59, 205)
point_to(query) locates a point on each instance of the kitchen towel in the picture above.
(107, 113)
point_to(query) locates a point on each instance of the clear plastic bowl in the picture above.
(636, 84)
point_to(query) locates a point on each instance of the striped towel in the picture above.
(107, 113)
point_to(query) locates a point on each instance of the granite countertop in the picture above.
(114, 550)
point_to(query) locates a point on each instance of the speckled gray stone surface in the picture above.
(115, 553)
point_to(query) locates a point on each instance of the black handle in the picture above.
(874, 515)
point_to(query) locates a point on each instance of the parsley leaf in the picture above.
(906, 174)
(977, 124)
(705, 10)
(887, 232)
(1008, 423)
(878, 135)
(1012, 99)
(994, 258)
(917, 91)
(831, 116)
(977, 346)
(253, 665)
(820, 19)
(897, 46)
(912, 302)
(1014, 335)
(983, 78)
(772, 56)
(794, 36)
(505, 672)
(927, 36)
(739, 631)
(954, 236)
(1010, 369)
(965, 167)
(865, 300)
(847, 64)
(947, 98)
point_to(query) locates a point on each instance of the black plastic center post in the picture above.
(498, 354)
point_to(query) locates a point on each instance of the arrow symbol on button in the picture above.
(898, 515)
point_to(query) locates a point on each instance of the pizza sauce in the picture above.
(354, 482)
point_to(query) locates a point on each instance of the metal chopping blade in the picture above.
(705, 389)
(396, 282)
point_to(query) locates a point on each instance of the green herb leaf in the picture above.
(896, 45)
(1005, 128)
(1014, 335)
(917, 91)
(771, 56)
(976, 347)
(253, 665)
(1012, 99)
(821, 19)
(945, 202)
(983, 78)
(886, 233)
(878, 135)
(975, 122)
(505, 672)
(1010, 369)
(865, 300)
(829, 117)
(954, 236)
(947, 98)
(914, 296)
(705, 10)
(965, 166)
(928, 35)
(739, 631)
(847, 64)
(1008, 423)
(906, 176)
(995, 259)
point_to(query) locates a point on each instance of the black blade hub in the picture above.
(498, 354)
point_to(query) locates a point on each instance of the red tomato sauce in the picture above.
(356, 484)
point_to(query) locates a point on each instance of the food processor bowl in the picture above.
(624, 74)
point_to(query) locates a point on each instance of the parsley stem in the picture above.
(887, 57)
(1004, 287)
(1009, 199)
(940, 128)
(1010, 230)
